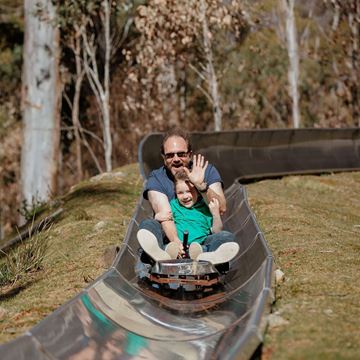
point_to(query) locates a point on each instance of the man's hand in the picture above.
(197, 173)
(181, 251)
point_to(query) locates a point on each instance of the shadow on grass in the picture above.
(98, 189)
(10, 291)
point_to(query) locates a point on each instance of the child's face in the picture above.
(186, 193)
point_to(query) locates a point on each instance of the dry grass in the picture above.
(95, 218)
(312, 226)
(28, 257)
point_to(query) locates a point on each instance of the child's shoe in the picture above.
(172, 249)
(195, 249)
(223, 254)
(149, 243)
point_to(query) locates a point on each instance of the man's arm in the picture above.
(160, 204)
(217, 224)
(215, 190)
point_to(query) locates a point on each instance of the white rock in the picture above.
(279, 276)
(100, 225)
(275, 320)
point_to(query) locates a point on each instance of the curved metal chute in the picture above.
(119, 317)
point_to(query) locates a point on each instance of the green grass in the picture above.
(312, 224)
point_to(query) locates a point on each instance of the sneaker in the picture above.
(223, 254)
(172, 249)
(149, 243)
(195, 249)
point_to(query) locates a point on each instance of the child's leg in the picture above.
(152, 240)
(213, 241)
(219, 249)
(223, 254)
(155, 227)
(195, 249)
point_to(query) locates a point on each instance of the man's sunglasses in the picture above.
(171, 155)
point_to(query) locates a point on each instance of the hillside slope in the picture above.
(312, 224)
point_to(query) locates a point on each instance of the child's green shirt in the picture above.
(197, 220)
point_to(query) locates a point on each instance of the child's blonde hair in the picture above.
(181, 176)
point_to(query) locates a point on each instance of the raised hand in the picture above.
(197, 173)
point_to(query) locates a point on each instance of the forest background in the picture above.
(126, 68)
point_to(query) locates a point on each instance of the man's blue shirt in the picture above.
(161, 180)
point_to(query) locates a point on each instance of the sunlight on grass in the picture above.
(27, 257)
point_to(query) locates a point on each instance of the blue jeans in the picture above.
(211, 243)
(155, 227)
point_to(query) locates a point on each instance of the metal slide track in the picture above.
(118, 317)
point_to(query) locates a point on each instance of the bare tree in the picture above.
(170, 33)
(210, 71)
(292, 48)
(350, 11)
(336, 17)
(75, 45)
(40, 101)
(167, 89)
(100, 87)
(354, 24)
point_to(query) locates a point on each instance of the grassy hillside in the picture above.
(82, 242)
(312, 224)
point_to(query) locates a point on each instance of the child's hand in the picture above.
(214, 207)
(163, 216)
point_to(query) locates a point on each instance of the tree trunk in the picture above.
(101, 89)
(182, 94)
(167, 87)
(354, 24)
(292, 48)
(76, 103)
(210, 72)
(41, 102)
(336, 17)
(106, 102)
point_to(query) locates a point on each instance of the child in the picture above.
(193, 213)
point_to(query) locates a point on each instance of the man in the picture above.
(159, 190)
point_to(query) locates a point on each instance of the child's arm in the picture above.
(214, 208)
